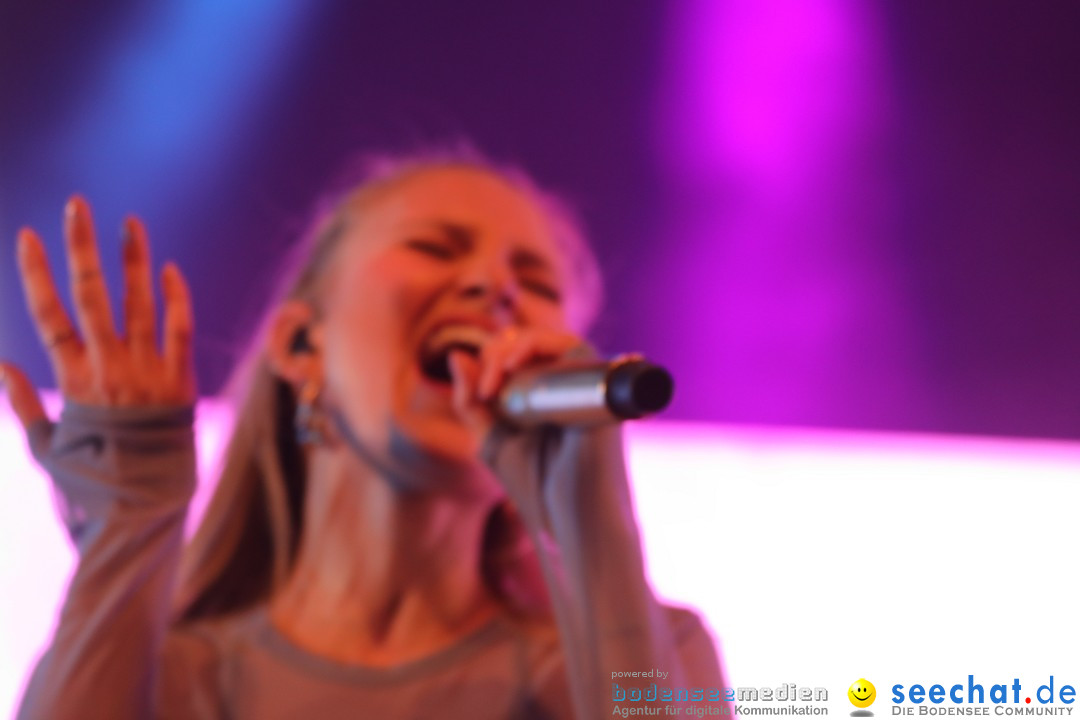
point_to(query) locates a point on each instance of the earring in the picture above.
(310, 423)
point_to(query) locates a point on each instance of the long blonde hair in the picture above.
(246, 543)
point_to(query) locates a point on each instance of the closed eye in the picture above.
(432, 247)
(543, 289)
(445, 251)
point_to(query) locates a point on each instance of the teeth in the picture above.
(449, 335)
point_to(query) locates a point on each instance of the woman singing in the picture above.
(379, 544)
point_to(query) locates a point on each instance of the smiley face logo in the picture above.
(862, 693)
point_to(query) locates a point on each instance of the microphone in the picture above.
(591, 392)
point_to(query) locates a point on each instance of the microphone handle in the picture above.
(585, 393)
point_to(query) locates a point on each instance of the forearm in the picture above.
(123, 479)
(598, 583)
(571, 489)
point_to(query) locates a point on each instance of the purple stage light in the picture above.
(773, 134)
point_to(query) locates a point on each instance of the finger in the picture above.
(491, 361)
(515, 356)
(22, 395)
(465, 373)
(51, 320)
(139, 311)
(515, 349)
(178, 331)
(88, 290)
(536, 345)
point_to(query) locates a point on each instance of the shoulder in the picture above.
(684, 623)
(189, 675)
(195, 661)
(207, 639)
(189, 657)
(543, 647)
(193, 650)
(695, 645)
(550, 685)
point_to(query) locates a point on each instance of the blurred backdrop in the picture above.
(816, 212)
(849, 215)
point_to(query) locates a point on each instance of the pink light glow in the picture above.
(769, 91)
(954, 552)
(772, 129)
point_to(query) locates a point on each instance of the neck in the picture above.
(381, 576)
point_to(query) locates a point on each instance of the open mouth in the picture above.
(435, 353)
(436, 365)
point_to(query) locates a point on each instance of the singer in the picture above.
(380, 544)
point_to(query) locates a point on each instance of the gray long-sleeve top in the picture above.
(124, 478)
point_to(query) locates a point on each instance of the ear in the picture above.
(295, 366)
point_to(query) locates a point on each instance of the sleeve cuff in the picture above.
(157, 417)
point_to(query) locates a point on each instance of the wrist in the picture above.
(155, 417)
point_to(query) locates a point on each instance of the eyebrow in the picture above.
(464, 237)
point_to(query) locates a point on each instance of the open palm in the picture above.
(93, 362)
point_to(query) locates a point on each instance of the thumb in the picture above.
(465, 374)
(22, 395)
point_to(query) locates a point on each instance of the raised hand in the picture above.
(93, 362)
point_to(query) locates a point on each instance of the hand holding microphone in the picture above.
(540, 379)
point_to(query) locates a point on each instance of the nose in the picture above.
(492, 280)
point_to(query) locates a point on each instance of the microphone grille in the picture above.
(638, 388)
